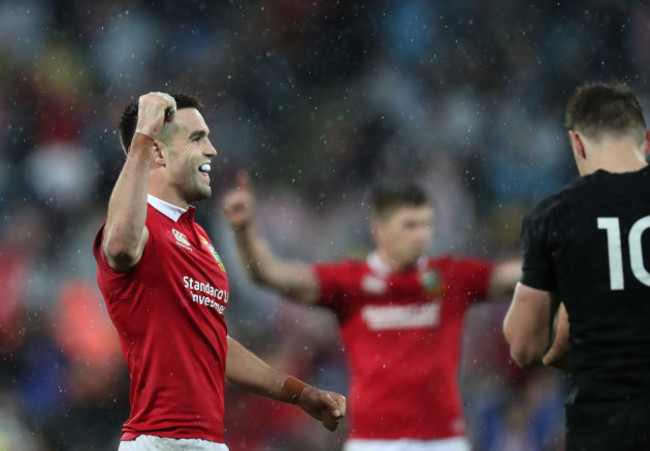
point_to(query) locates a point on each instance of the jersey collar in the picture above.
(172, 211)
(383, 269)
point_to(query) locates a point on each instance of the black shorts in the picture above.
(608, 425)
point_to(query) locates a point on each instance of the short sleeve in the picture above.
(538, 270)
(117, 284)
(334, 284)
(98, 253)
(473, 275)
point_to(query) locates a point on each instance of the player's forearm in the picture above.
(293, 279)
(246, 371)
(256, 254)
(527, 325)
(127, 207)
(558, 354)
(556, 358)
(526, 348)
(261, 263)
(504, 279)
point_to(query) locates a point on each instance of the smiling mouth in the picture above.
(205, 168)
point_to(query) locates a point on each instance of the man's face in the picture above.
(189, 148)
(405, 233)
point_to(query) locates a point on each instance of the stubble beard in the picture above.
(198, 190)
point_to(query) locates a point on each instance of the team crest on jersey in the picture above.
(373, 284)
(181, 239)
(213, 251)
(431, 282)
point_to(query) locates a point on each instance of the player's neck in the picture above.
(392, 263)
(621, 160)
(168, 195)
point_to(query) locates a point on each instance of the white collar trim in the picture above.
(172, 211)
(383, 269)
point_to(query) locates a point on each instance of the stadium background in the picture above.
(317, 100)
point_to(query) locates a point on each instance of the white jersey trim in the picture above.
(172, 211)
(383, 269)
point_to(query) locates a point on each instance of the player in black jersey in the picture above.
(587, 247)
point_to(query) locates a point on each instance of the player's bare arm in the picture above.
(125, 234)
(557, 355)
(504, 278)
(246, 371)
(293, 279)
(528, 324)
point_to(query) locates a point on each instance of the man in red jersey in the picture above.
(166, 289)
(400, 312)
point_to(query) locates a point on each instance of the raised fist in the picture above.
(239, 204)
(153, 110)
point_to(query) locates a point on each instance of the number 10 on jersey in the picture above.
(615, 252)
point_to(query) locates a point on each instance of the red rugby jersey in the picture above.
(168, 311)
(402, 338)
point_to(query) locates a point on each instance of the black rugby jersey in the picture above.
(590, 244)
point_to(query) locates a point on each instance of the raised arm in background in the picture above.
(504, 278)
(125, 234)
(293, 279)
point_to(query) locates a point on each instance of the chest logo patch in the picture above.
(213, 251)
(431, 282)
(373, 284)
(181, 239)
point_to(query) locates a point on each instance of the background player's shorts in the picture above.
(155, 443)
(608, 425)
(407, 444)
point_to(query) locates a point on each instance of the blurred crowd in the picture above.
(317, 100)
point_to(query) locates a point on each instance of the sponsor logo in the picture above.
(213, 251)
(394, 317)
(181, 239)
(204, 293)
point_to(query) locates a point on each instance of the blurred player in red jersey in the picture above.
(166, 289)
(400, 312)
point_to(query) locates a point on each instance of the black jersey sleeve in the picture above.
(538, 269)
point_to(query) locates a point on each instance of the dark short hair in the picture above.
(129, 118)
(597, 108)
(386, 197)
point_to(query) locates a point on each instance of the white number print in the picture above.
(615, 252)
